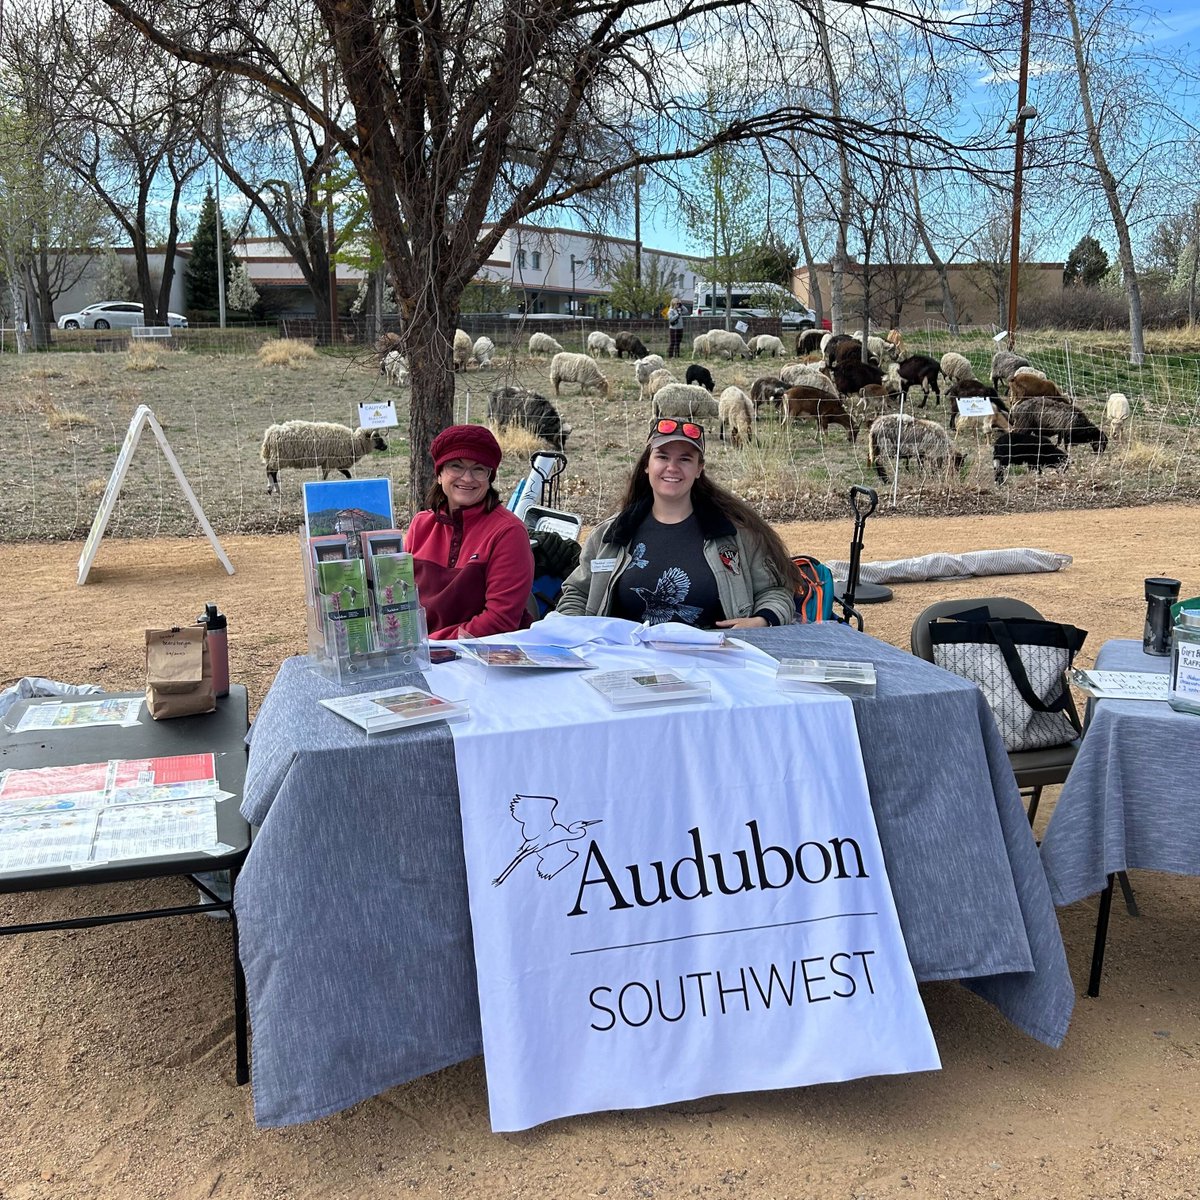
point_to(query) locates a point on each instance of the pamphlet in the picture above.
(629, 689)
(1122, 685)
(509, 654)
(396, 708)
(100, 812)
(849, 677)
(81, 714)
(342, 589)
(397, 620)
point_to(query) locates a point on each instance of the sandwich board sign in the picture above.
(108, 501)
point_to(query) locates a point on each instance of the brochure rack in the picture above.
(353, 632)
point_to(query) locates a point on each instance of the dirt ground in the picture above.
(116, 1044)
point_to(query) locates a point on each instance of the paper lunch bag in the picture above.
(179, 679)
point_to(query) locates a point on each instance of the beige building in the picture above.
(909, 294)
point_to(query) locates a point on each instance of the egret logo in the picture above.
(543, 837)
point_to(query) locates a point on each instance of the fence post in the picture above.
(1067, 355)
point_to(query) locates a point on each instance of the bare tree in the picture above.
(470, 117)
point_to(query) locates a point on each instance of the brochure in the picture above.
(81, 714)
(630, 689)
(1122, 685)
(509, 654)
(342, 589)
(397, 620)
(396, 708)
(849, 677)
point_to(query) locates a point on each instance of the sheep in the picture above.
(724, 343)
(631, 344)
(926, 441)
(462, 349)
(323, 444)
(483, 350)
(735, 410)
(543, 343)
(1004, 366)
(768, 344)
(657, 381)
(920, 368)
(812, 402)
(879, 349)
(996, 419)
(852, 376)
(700, 346)
(767, 390)
(1031, 372)
(600, 343)
(643, 369)
(971, 389)
(531, 410)
(395, 368)
(686, 402)
(957, 367)
(896, 341)
(808, 341)
(1058, 419)
(1117, 413)
(577, 368)
(1021, 387)
(826, 338)
(701, 376)
(808, 374)
(833, 350)
(1025, 448)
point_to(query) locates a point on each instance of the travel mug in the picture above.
(1160, 595)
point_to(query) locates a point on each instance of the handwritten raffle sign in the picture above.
(679, 904)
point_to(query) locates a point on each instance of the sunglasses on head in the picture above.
(689, 429)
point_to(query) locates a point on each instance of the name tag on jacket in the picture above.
(603, 564)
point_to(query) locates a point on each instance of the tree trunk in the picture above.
(841, 255)
(1108, 183)
(428, 334)
(815, 298)
(949, 308)
(37, 324)
(16, 300)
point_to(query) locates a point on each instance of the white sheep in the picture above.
(600, 343)
(735, 410)
(768, 344)
(577, 368)
(483, 350)
(322, 444)
(657, 381)
(700, 346)
(807, 375)
(543, 343)
(910, 437)
(957, 367)
(395, 368)
(881, 350)
(643, 369)
(686, 402)
(1117, 413)
(724, 343)
(462, 349)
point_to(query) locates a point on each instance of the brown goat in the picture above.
(1022, 386)
(812, 402)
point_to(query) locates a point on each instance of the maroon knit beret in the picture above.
(474, 442)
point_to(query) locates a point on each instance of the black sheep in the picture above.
(808, 341)
(532, 411)
(834, 352)
(701, 375)
(631, 344)
(1025, 448)
(851, 376)
(1059, 419)
(919, 368)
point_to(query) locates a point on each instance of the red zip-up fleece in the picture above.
(474, 570)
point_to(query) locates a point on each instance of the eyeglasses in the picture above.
(459, 470)
(687, 428)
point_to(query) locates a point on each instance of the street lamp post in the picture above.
(1024, 113)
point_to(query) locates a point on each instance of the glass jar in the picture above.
(1184, 693)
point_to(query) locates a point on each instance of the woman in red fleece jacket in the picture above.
(473, 564)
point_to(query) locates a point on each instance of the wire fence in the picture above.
(65, 415)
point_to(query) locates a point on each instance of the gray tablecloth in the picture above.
(1133, 796)
(352, 906)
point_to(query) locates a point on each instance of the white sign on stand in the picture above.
(741, 326)
(974, 406)
(377, 414)
(141, 419)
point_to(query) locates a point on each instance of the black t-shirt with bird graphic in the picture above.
(668, 578)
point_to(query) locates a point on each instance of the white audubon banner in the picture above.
(681, 903)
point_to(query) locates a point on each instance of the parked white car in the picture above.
(113, 314)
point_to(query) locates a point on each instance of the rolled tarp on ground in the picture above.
(1013, 561)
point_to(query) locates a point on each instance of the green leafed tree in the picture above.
(202, 276)
(1086, 265)
(645, 297)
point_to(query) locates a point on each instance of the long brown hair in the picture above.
(707, 497)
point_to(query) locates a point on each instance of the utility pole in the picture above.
(1024, 112)
(220, 249)
(333, 305)
(637, 224)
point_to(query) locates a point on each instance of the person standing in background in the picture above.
(674, 327)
